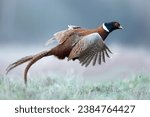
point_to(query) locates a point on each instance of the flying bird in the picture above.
(86, 45)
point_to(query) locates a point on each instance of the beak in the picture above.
(120, 27)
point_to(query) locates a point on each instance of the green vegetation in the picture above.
(136, 87)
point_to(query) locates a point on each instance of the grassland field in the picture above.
(46, 87)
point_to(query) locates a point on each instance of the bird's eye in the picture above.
(117, 24)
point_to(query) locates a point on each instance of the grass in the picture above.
(135, 87)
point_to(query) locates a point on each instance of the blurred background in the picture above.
(25, 26)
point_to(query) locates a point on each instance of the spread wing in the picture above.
(61, 36)
(90, 48)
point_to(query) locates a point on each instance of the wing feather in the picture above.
(61, 36)
(103, 56)
(90, 48)
(108, 49)
(106, 53)
(89, 60)
(99, 57)
(84, 57)
(89, 54)
(95, 58)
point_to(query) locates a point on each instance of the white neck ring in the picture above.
(105, 28)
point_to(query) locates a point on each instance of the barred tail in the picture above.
(34, 60)
(31, 59)
(19, 62)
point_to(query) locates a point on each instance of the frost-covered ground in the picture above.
(54, 87)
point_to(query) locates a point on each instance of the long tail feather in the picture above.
(34, 60)
(19, 62)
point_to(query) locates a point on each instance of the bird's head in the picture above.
(110, 26)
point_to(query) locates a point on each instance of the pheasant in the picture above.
(86, 45)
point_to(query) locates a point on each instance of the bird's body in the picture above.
(86, 45)
(67, 39)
